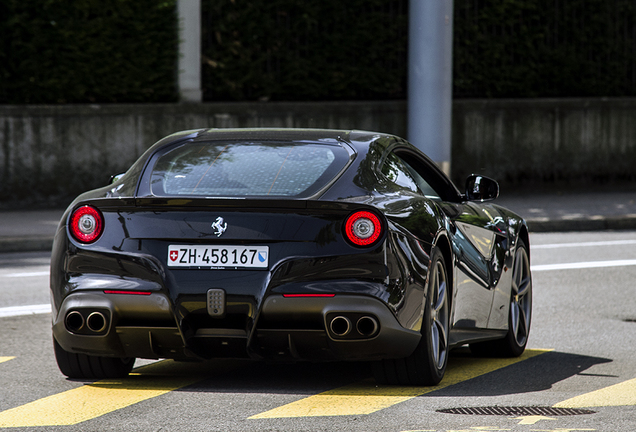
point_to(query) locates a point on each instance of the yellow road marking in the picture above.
(622, 394)
(4, 359)
(102, 397)
(533, 419)
(366, 397)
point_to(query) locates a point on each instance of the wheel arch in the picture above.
(525, 236)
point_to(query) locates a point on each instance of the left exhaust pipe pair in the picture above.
(95, 322)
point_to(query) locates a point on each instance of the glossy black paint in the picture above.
(164, 310)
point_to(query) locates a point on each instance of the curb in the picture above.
(595, 223)
(26, 244)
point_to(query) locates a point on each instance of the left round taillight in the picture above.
(87, 224)
(363, 228)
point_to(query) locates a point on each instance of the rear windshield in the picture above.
(292, 169)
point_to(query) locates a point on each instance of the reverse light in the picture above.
(86, 224)
(363, 228)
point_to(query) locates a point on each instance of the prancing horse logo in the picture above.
(219, 226)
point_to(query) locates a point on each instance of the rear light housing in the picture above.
(125, 292)
(363, 228)
(86, 224)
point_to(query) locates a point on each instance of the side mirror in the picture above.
(480, 188)
(114, 178)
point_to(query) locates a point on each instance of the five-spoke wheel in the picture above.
(427, 364)
(520, 301)
(520, 311)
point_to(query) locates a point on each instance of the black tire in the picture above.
(520, 312)
(83, 366)
(427, 364)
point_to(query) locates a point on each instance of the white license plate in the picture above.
(218, 256)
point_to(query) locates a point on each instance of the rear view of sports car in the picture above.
(290, 245)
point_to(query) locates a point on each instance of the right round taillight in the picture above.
(86, 224)
(363, 228)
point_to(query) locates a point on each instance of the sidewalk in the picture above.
(28, 230)
(574, 211)
(33, 230)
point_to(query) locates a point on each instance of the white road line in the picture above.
(582, 244)
(46, 308)
(583, 265)
(26, 274)
(25, 310)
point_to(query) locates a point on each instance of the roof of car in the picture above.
(290, 134)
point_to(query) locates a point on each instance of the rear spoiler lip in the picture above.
(176, 203)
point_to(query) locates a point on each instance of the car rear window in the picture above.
(236, 169)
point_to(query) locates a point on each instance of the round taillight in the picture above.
(363, 228)
(87, 224)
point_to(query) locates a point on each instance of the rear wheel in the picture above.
(427, 364)
(520, 312)
(83, 366)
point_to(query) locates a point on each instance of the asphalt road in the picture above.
(580, 356)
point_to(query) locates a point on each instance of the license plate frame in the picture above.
(218, 256)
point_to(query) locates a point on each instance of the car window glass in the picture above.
(247, 169)
(395, 170)
(422, 184)
(431, 181)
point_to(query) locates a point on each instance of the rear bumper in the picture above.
(155, 334)
(280, 332)
(298, 328)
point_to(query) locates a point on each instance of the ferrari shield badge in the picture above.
(219, 226)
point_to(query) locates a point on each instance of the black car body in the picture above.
(288, 244)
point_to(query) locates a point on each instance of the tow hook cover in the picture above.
(216, 303)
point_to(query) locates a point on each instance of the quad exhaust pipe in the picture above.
(340, 326)
(96, 322)
(366, 327)
(74, 321)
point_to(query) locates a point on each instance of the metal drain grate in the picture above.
(516, 411)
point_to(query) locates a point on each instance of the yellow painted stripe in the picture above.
(622, 394)
(366, 397)
(93, 400)
(4, 359)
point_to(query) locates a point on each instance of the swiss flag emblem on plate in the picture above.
(174, 255)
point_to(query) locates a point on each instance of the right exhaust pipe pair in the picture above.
(366, 326)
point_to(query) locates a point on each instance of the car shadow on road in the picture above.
(537, 373)
(241, 376)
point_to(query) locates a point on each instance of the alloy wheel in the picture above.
(521, 297)
(439, 315)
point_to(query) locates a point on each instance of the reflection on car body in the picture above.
(288, 244)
